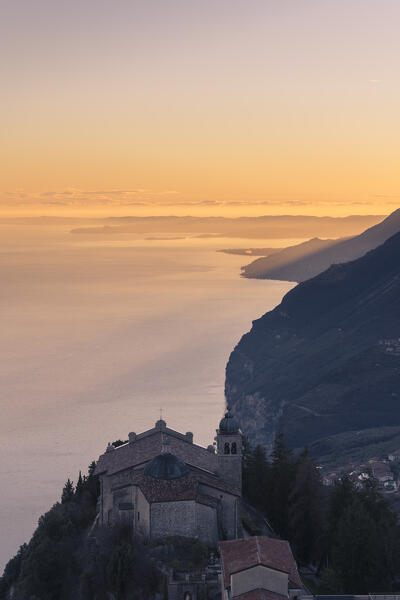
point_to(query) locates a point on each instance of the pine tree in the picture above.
(282, 476)
(91, 484)
(256, 477)
(342, 496)
(305, 510)
(363, 538)
(330, 583)
(79, 487)
(68, 492)
(91, 469)
(354, 549)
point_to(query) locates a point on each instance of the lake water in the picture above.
(97, 335)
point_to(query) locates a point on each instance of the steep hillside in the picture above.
(326, 360)
(291, 265)
(285, 260)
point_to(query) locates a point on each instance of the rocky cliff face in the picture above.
(324, 365)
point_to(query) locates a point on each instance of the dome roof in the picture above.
(166, 466)
(228, 424)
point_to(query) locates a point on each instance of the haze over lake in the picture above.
(97, 336)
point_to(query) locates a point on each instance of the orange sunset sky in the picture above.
(228, 107)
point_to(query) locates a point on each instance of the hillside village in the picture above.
(162, 517)
(385, 470)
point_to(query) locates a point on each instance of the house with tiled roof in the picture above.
(259, 568)
(382, 472)
(165, 484)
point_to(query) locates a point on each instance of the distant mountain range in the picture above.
(264, 227)
(324, 365)
(298, 263)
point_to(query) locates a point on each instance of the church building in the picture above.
(165, 484)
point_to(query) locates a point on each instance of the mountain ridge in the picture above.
(289, 265)
(317, 365)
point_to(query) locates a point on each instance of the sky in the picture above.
(228, 107)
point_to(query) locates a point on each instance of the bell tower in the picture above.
(229, 449)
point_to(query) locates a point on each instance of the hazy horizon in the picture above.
(229, 106)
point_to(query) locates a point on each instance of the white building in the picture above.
(259, 568)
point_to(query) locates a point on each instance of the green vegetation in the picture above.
(181, 553)
(119, 443)
(352, 529)
(356, 446)
(63, 562)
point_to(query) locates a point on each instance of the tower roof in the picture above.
(228, 424)
(166, 466)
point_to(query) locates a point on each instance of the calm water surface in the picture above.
(96, 336)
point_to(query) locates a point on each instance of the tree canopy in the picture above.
(349, 533)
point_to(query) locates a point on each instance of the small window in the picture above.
(138, 516)
(233, 448)
(226, 448)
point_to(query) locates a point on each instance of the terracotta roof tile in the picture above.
(148, 445)
(184, 488)
(166, 490)
(238, 555)
(260, 595)
(215, 482)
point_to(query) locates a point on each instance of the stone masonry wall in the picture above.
(206, 524)
(173, 518)
(228, 512)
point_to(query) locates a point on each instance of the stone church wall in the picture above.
(173, 518)
(207, 526)
(106, 501)
(227, 512)
(142, 514)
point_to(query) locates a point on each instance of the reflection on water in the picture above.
(97, 335)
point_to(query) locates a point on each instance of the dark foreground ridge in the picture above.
(324, 366)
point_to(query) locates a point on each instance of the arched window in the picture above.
(226, 448)
(187, 596)
(233, 448)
